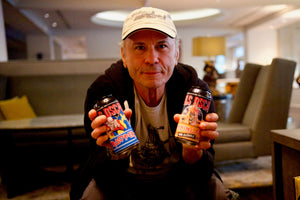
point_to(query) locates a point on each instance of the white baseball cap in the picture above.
(149, 18)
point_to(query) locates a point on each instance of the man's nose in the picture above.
(151, 56)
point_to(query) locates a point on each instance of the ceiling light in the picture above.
(54, 24)
(46, 15)
(194, 14)
(292, 14)
(117, 17)
(274, 8)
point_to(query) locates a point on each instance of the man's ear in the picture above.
(177, 54)
(123, 57)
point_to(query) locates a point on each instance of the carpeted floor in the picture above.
(246, 173)
(252, 178)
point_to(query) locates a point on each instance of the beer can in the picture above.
(120, 133)
(195, 108)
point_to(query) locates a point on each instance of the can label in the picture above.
(194, 110)
(119, 130)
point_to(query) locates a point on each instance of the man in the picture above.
(150, 78)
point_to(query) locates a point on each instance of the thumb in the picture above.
(176, 118)
(128, 113)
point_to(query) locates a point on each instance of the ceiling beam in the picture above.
(77, 4)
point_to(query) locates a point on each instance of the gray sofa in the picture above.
(52, 88)
(51, 95)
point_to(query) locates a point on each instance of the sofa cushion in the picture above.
(233, 150)
(52, 94)
(232, 132)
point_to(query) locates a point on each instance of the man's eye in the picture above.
(162, 46)
(139, 47)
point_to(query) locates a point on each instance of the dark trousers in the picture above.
(162, 189)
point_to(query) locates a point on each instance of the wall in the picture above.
(261, 45)
(290, 35)
(54, 67)
(38, 44)
(187, 34)
(104, 44)
(3, 51)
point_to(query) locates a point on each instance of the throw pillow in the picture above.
(17, 108)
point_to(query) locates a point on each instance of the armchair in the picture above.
(261, 104)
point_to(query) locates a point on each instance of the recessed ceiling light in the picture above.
(54, 24)
(46, 15)
(117, 17)
(292, 14)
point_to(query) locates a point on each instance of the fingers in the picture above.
(98, 121)
(92, 114)
(97, 132)
(99, 127)
(211, 117)
(207, 130)
(204, 125)
(204, 144)
(205, 138)
(209, 135)
(103, 141)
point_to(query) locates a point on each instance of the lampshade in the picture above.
(209, 46)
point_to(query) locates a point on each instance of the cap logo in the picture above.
(149, 18)
(140, 15)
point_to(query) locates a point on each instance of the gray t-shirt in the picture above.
(156, 152)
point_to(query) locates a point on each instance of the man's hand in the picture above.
(99, 127)
(208, 132)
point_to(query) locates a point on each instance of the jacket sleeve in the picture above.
(99, 159)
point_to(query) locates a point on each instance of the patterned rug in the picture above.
(246, 173)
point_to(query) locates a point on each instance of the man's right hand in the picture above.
(99, 127)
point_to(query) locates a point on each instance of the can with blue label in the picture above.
(120, 133)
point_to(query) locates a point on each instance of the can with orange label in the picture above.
(195, 108)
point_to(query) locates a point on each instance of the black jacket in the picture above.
(116, 81)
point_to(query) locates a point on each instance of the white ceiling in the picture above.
(76, 14)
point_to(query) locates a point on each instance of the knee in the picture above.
(92, 192)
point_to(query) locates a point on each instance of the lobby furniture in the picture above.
(52, 88)
(285, 162)
(261, 104)
(14, 156)
(222, 104)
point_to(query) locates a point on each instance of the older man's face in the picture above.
(150, 57)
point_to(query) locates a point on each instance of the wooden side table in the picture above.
(286, 162)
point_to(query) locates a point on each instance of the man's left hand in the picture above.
(208, 132)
